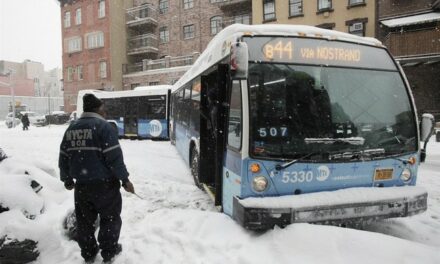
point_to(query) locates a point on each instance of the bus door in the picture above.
(212, 129)
(130, 117)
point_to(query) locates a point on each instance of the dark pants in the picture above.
(103, 199)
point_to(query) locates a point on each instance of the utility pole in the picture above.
(11, 87)
(13, 97)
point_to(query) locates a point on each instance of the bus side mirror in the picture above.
(239, 60)
(426, 132)
(427, 126)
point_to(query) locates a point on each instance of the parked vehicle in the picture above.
(8, 120)
(34, 118)
(57, 117)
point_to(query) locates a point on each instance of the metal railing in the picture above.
(418, 42)
(140, 15)
(143, 44)
(167, 62)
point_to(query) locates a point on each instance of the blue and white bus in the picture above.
(286, 124)
(141, 113)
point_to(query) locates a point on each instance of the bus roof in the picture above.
(219, 46)
(138, 91)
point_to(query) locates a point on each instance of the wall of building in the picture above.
(118, 36)
(90, 58)
(339, 16)
(177, 17)
(424, 81)
(23, 87)
(390, 8)
(148, 78)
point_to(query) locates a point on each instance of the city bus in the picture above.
(284, 124)
(141, 113)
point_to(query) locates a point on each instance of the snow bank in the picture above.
(344, 196)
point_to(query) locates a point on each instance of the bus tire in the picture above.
(195, 169)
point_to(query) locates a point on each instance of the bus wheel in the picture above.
(195, 171)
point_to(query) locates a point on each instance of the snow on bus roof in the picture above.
(138, 91)
(214, 52)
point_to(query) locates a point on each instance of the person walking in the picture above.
(91, 162)
(25, 122)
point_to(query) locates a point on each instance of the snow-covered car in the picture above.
(57, 117)
(8, 120)
(26, 190)
(34, 118)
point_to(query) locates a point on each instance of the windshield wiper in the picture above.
(368, 153)
(352, 140)
(289, 163)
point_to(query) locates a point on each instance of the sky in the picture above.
(31, 29)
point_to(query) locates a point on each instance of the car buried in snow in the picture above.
(22, 202)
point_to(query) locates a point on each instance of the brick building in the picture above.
(27, 77)
(411, 31)
(93, 46)
(121, 44)
(182, 30)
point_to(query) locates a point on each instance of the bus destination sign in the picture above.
(317, 51)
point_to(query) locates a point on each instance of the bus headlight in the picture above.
(259, 183)
(406, 175)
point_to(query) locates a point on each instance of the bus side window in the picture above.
(195, 105)
(235, 116)
(186, 110)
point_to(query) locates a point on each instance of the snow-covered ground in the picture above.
(177, 223)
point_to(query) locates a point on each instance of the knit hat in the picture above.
(91, 103)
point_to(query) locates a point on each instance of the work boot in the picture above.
(90, 258)
(109, 259)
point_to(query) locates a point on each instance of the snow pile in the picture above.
(341, 197)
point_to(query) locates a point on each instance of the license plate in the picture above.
(383, 174)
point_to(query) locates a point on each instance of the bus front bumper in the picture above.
(348, 207)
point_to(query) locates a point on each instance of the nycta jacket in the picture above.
(90, 151)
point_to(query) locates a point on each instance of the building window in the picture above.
(357, 29)
(243, 19)
(269, 10)
(101, 8)
(324, 4)
(188, 4)
(188, 32)
(74, 45)
(355, 2)
(103, 69)
(69, 74)
(95, 40)
(164, 35)
(67, 19)
(163, 6)
(216, 24)
(295, 7)
(79, 72)
(78, 17)
(153, 83)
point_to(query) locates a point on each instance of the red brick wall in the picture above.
(22, 87)
(89, 58)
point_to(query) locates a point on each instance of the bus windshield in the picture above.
(322, 112)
